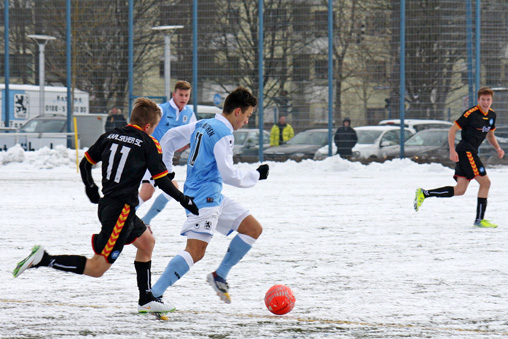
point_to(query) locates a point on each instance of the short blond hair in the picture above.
(145, 111)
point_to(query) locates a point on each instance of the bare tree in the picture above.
(99, 46)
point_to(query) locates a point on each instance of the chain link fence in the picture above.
(366, 58)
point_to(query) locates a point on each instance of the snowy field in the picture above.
(344, 236)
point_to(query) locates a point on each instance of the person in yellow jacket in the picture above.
(281, 132)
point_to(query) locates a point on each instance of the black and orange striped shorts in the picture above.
(120, 226)
(469, 166)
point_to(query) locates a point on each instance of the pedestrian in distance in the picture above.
(345, 139)
(175, 113)
(476, 124)
(210, 164)
(115, 119)
(281, 132)
(126, 153)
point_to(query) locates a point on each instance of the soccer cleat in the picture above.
(220, 286)
(156, 306)
(33, 259)
(484, 223)
(419, 198)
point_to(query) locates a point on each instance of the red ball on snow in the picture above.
(279, 299)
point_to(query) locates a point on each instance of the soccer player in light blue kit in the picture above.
(210, 164)
(174, 113)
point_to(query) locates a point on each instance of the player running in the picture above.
(126, 153)
(476, 123)
(210, 164)
(174, 113)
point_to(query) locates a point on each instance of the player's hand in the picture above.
(189, 205)
(93, 193)
(454, 156)
(263, 171)
(500, 153)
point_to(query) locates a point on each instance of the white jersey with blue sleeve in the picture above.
(172, 117)
(210, 162)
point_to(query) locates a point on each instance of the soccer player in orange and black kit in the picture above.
(126, 153)
(477, 123)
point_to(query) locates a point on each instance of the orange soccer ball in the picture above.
(279, 299)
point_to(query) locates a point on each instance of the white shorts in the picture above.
(224, 219)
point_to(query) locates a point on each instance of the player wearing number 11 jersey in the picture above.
(126, 153)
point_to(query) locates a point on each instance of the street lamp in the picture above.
(41, 40)
(168, 33)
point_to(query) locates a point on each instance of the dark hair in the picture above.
(239, 98)
(485, 91)
(145, 111)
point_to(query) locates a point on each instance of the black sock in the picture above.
(480, 208)
(441, 192)
(67, 263)
(143, 276)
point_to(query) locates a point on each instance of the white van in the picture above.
(416, 125)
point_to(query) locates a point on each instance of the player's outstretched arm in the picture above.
(91, 189)
(491, 138)
(167, 186)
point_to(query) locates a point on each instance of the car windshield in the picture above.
(44, 126)
(430, 138)
(240, 137)
(367, 137)
(310, 138)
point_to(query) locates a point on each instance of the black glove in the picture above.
(171, 176)
(93, 193)
(263, 172)
(189, 205)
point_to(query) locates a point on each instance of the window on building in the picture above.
(301, 13)
(301, 70)
(321, 69)
(376, 70)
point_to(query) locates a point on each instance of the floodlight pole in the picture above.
(41, 40)
(168, 33)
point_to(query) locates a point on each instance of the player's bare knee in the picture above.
(256, 231)
(459, 191)
(94, 271)
(197, 256)
(486, 183)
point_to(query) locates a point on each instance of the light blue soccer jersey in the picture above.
(204, 182)
(171, 119)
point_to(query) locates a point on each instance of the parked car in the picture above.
(373, 140)
(50, 130)
(416, 125)
(302, 146)
(41, 131)
(488, 154)
(246, 148)
(426, 146)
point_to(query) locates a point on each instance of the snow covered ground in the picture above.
(344, 236)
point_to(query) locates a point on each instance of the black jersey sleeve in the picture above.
(463, 120)
(154, 161)
(167, 186)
